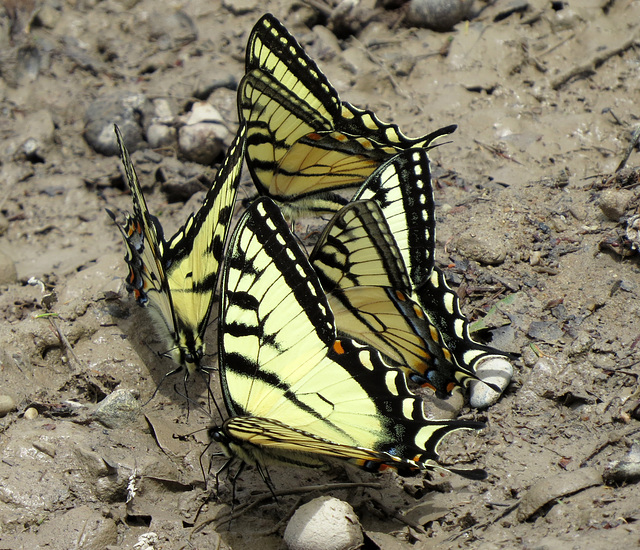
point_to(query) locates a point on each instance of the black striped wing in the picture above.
(361, 269)
(294, 393)
(402, 187)
(176, 280)
(303, 143)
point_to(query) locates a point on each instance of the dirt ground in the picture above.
(545, 95)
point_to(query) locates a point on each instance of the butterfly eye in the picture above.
(216, 435)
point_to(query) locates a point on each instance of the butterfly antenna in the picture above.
(186, 397)
(167, 375)
(205, 373)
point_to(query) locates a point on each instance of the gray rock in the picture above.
(118, 410)
(438, 15)
(485, 249)
(614, 202)
(123, 109)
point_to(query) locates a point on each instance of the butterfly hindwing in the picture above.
(295, 393)
(361, 269)
(402, 187)
(176, 280)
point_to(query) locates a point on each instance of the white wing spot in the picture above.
(365, 359)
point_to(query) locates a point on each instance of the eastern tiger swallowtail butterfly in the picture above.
(176, 279)
(303, 143)
(402, 187)
(295, 393)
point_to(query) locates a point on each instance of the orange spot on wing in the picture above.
(337, 347)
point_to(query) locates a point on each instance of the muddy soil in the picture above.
(545, 95)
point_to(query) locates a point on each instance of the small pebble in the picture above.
(325, 523)
(7, 404)
(31, 413)
(494, 370)
(123, 109)
(614, 202)
(484, 249)
(160, 135)
(438, 15)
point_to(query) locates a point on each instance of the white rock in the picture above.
(202, 137)
(325, 523)
(7, 404)
(160, 135)
(202, 111)
(494, 370)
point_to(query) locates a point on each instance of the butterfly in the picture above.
(295, 393)
(176, 279)
(402, 187)
(303, 142)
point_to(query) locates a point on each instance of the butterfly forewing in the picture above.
(402, 187)
(303, 143)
